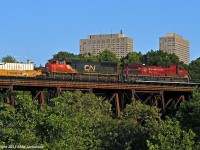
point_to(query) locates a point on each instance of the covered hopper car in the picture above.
(16, 66)
(19, 70)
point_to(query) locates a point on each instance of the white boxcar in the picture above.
(16, 66)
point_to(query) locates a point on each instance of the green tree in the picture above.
(88, 57)
(172, 137)
(194, 70)
(65, 55)
(18, 124)
(73, 121)
(9, 59)
(133, 58)
(107, 56)
(189, 114)
(70, 56)
(161, 58)
(142, 121)
(133, 127)
(84, 121)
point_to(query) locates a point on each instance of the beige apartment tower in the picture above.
(116, 43)
(174, 43)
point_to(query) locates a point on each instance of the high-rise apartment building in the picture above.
(116, 43)
(174, 43)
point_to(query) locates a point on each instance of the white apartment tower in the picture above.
(174, 43)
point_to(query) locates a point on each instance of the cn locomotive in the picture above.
(100, 71)
(79, 70)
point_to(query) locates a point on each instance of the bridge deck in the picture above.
(18, 83)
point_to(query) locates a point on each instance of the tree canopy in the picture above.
(194, 70)
(9, 58)
(189, 114)
(107, 56)
(133, 58)
(84, 121)
(171, 136)
(160, 58)
(157, 58)
(65, 55)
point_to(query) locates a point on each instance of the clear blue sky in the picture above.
(38, 29)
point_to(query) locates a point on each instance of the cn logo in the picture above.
(89, 68)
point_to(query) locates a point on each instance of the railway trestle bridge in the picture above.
(161, 94)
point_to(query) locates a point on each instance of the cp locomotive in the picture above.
(98, 71)
(172, 73)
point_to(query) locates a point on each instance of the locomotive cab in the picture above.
(58, 66)
(182, 72)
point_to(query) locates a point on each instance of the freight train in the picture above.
(97, 71)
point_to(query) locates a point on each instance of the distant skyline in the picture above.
(39, 29)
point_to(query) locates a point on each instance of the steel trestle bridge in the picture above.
(164, 95)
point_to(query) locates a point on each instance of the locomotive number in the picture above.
(89, 68)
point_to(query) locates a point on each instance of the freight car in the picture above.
(16, 66)
(172, 73)
(21, 73)
(19, 70)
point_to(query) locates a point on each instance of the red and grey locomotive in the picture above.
(79, 70)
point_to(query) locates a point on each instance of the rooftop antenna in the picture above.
(26, 58)
(100, 33)
(174, 31)
(22, 56)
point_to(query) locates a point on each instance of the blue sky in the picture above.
(37, 29)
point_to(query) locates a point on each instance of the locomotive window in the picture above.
(53, 62)
(60, 62)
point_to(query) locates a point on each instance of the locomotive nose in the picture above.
(47, 69)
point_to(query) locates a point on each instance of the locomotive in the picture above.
(79, 70)
(97, 71)
(172, 73)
